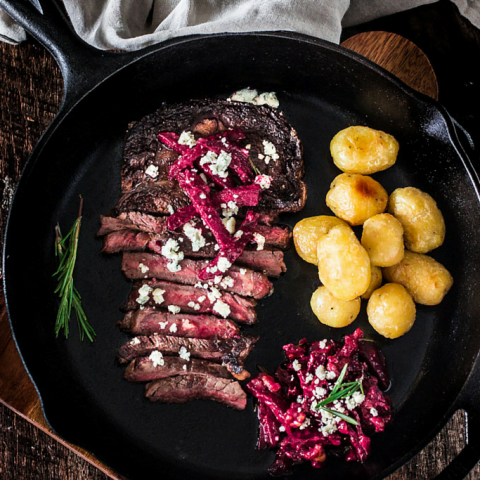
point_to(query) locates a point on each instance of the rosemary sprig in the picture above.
(66, 250)
(341, 390)
(255, 169)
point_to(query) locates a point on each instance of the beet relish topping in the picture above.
(326, 397)
(217, 176)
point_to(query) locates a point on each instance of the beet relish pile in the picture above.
(326, 397)
(206, 163)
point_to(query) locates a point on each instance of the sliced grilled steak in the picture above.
(245, 282)
(144, 369)
(126, 240)
(191, 300)
(160, 197)
(275, 236)
(150, 321)
(230, 352)
(287, 192)
(184, 388)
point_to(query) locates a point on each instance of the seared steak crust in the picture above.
(183, 388)
(207, 117)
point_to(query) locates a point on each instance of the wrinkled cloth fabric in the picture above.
(134, 24)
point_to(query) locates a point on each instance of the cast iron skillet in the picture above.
(322, 88)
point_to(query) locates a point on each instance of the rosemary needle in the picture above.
(66, 250)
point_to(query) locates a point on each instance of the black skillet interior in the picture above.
(321, 91)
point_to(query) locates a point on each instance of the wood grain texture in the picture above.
(30, 93)
(399, 56)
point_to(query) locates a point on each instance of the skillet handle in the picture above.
(469, 401)
(82, 66)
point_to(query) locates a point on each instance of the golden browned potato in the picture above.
(307, 232)
(355, 198)
(334, 312)
(375, 282)
(382, 238)
(391, 310)
(421, 218)
(427, 280)
(343, 264)
(363, 150)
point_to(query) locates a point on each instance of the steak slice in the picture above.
(144, 369)
(150, 321)
(243, 282)
(230, 352)
(275, 236)
(160, 197)
(126, 240)
(260, 124)
(191, 300)
(184, 388)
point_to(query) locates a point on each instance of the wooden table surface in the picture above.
(30, 93)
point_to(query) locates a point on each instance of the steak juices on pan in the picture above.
(203, 183)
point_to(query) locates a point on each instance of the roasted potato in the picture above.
(343, 264)
(427, 280)
(382, 238)
(363, 150)
(355, 198)
(334, 312)
(375, 282)
(391, 310)
(421, 218)
(307, 232)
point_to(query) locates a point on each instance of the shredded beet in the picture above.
(242, 196)
(227, 256)
(326, 397)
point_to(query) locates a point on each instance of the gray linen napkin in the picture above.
(133, 24)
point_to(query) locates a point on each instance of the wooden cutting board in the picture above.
(393, 52)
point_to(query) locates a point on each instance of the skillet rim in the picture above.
(67, 107)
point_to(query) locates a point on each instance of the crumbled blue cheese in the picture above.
(358, 397)
(214, 294)
(143, 268)
(182, 353)
(163, 325)
(173, 328)
(248, 95)
(227, 282)
(152, 171)
(308, 378)
(296, 365)
(221, 308)
(171, 251)
(218, 164)
(243, 271)
(157, 295)
(374, 412)
(157, 358)
(305, 424)
(223, 264)
(320, 392)
(187, 138)
(281, 428)
(194, 305)
(320, 372)
(245, 95)
(331, 375)
(265, 181)
(229, 209)
(202, 298)
(267, 98)
(260, 241)
(143, 294)
(135, 341)
(170, 209)
(238, 234)
(229, 223)
(217, 279)
(322, 343)
(270, 150)
(174, 309)
(195, 236)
